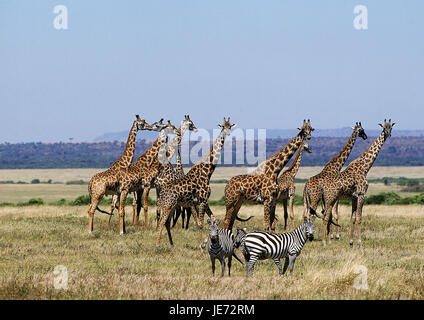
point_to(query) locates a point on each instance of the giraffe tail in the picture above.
(243, 220)
(102, 211)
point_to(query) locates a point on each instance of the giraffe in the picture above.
(147, 166)
(286, 186)
(168, 171)
(129, 179)
(352, 183)
(181, 210)
(168, 174)
(193, 189)
(105, 183)
(263, 182)
(312, 193)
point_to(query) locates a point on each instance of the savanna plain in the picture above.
(104, 265)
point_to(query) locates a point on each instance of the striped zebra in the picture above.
(260, 245)
(221, 246)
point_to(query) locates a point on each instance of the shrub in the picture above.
(81, 200)
(35, 181)
(79, 182)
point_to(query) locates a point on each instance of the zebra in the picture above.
(221, 246)
(260, 245)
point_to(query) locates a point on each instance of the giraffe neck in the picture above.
(216, 149)
(294, 168)
(276, 163)
(163, 146)
(179, 165)
(176, 140)
(368, 157)
(127, 156)
(336, 163)
(209, 161)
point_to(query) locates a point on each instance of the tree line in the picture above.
(397, 151)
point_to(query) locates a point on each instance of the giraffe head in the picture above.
(361, 132)
(306, 129)
(170, 129)
(187, 124)
(306, 147)
(387, 128)
(226, 126)
(141, 124)
(158, 125)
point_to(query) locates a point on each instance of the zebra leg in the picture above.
(213, 265)
(222, 260)
(250, 266)
(278, 263)
(292, 259)
(286, 264)
(229, 264)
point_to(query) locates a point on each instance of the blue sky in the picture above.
(266, 64)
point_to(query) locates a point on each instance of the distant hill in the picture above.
(397, 151)
(270, 134)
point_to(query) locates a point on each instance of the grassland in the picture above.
(105, 265)
(53, 192)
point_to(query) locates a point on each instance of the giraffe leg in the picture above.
(146, 191)
(326, 221)
(361, 200)
(267, 215)
(136, 211)
(200, 219)
(168, 229)
(291, 209)
(188, 210)
(352, 219)
(158, 204)
(165, 213)
(176, 215)
(336, 218)
(115, 199)
(285, 213)
(122, 200)
(272, 217)
(232, 208)
(94, 202)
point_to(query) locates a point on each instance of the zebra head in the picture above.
(309, 227)
(213, 230)
(241, 233)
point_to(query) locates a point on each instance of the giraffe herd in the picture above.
(266, 185)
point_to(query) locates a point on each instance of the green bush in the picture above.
(81, 200)
(35, 181)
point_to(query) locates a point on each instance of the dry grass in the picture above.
(104, 265)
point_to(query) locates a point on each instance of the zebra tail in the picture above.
(237, 258)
